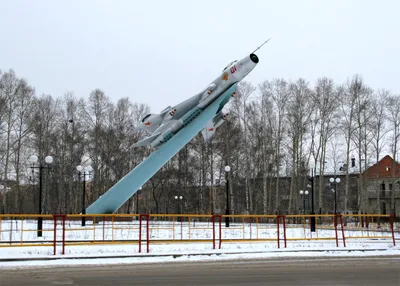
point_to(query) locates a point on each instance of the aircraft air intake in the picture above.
(254, 58)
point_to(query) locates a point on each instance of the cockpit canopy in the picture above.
(229, 65)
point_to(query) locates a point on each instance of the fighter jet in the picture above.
(169, 121)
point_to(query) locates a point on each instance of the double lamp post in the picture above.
(335, 181)
(48, 160)
(86, 172)
(304, 194)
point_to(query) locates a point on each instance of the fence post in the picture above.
(11, 229)
(284, 230)
(341, 225)
(392, 228)
(104, 225)
(63, 234)
(213, 224)
(112, 228)
(181, 219)
(96, 220)
(140, 233)
(147, 233)
(55, 234)
(336, 232)
(220, 231)
(55, 219)
(250, 226)
(277, 223)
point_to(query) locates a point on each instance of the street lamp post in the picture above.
(179, 199)
(312, 201)
(303, 194)
(227, 212)
(79, 168)
(48, 160)
(335, 181)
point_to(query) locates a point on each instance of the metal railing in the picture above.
(146, 229)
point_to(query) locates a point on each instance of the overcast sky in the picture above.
(161, 52)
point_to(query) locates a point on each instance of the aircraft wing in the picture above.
(142, 127)
(165, 110)
(147, 140)
(209, 131)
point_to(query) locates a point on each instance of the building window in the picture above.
(390, 187)
(387, 169)
(383, 186)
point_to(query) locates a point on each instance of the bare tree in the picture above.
(199, 151)
(350, 93)
(393, 113)
(43, 123)
(260, 145)
(9, 89)
(326, 101)
(240, 106)
(362, 138)
(266, 137)
(159, 183)
(70, 131)
(97, 114)
(298, 116)
(379, 131)
(277, 91)
(266, 145)
(21, 131)
(335, 157)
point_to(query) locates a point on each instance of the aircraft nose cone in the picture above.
(254, 58)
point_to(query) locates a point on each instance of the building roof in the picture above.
(383, 169)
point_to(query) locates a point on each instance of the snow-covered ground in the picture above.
(169, 241)
(192, 252)
(190, 258)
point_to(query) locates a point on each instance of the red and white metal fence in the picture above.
(61, 231)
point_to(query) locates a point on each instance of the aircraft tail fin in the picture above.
(147, 140)
(165, 110)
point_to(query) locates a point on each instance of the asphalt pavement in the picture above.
(368, 271)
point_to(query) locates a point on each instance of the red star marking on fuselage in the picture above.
(147, 123)
(211, 129)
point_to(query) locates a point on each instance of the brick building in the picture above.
(383, 186)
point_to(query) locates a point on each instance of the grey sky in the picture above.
(161, 52)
